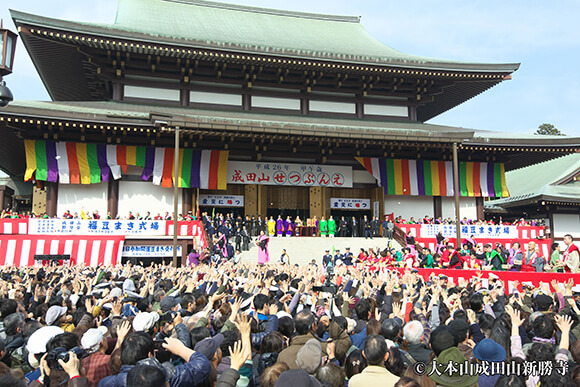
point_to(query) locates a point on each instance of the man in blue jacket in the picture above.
(139, 345)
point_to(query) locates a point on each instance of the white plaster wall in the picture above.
(409, 206)
(332, 107)
(275, 103)
(467, 208)
(136, 196)
(566, 224)
(151, 93)
(386, 110)
(75, 197)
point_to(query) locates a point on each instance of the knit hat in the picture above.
(309, 357)
(450, 377)
(292, 378)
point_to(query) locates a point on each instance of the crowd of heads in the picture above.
(281, 325)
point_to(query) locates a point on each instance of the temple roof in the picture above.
(205, 24)
(553, 180)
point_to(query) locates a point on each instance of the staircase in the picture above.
(302, 250)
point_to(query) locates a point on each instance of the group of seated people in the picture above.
(280, 325)
(440, 220)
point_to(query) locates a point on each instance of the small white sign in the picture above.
(221, 200)
(150, 251)
(350, 204)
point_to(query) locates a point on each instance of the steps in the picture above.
(302, 250)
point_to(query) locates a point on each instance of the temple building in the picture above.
(276, 112)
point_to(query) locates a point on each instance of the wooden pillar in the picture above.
(186, 201)
(479, 208)
(113, 197)
(325, 201)
(2, 188)
(262, 205)
(251, 200)
(456, 189)
(378, 195)
(316, 202)
(437, 207)
(51, 198)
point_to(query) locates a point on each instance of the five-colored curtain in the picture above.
(435, 178)
(82, 163)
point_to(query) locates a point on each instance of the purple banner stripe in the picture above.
(420, 177)
(383, 172)
(195, 166)
(149, 164)
(490, 186)
(102, 161)
(51, 162)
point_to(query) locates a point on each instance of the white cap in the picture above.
(144, 321)
(91, 340)
(38, 340)
(116, 292)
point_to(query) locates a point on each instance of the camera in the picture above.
(61, 353)
(5, 94)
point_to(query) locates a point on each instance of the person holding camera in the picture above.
(139, 346)
(72, 367)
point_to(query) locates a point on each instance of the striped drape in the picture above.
(435, 178)
(82, 163)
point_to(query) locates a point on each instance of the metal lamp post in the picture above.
(7, 49)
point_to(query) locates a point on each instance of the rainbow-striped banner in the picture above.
(435, 178)
(82, 163)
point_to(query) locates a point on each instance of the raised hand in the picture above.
(238, 355)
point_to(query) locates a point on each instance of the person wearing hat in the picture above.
(375, 374)
(338, 258)
(94, 342)
(348, 257)
(210, 348)
(56, 315)
(309, 357)
(296, 377)
(327, 259)
(36, 347)
(489, 351)
(443, 376)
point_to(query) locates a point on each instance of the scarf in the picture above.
(544, 341)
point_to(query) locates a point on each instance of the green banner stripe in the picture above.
(186, 168)
(427, 175)
(390, 177)
(41, 164)
(140, 156)
(497, 179)
(93, 163)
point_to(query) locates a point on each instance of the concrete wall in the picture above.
(136, 196)
(566, 224)
(409, 206)
(467, 207)
(75, 197)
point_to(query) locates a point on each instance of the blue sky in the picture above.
(543, 36)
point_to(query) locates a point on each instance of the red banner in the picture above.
(19, 250)
(506, 276)
(13, 226)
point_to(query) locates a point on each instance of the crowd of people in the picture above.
(237, 324)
